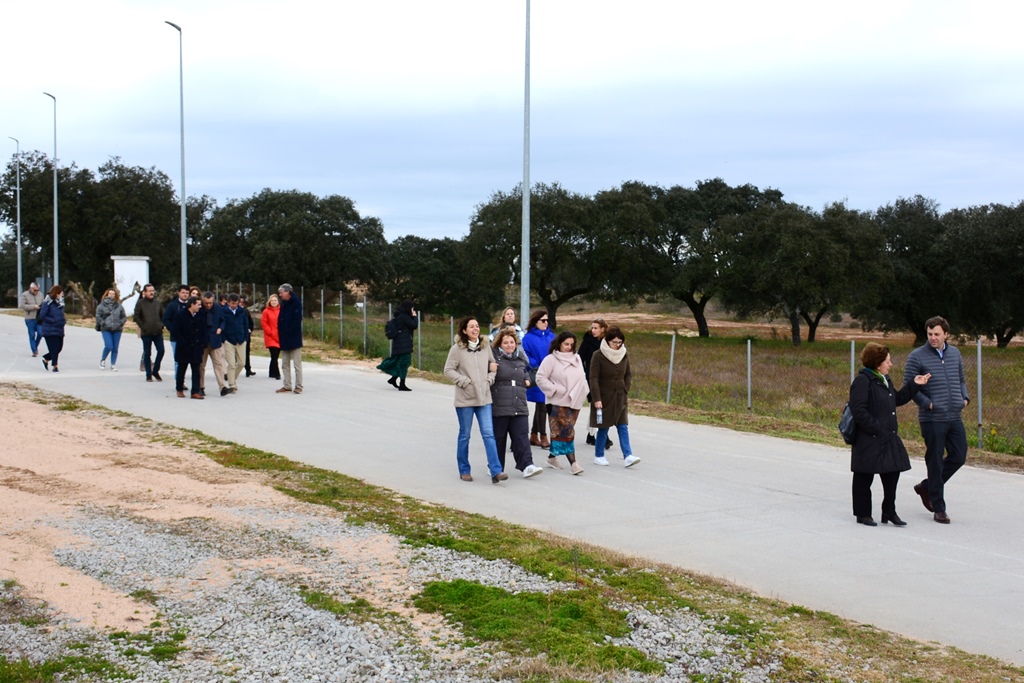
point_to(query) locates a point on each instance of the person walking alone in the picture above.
(404, 322)
(31, 303)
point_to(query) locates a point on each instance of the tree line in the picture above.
(745, 248)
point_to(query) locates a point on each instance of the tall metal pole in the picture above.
(181, 97)
(524, 262)
(56, 253)
(18, 215)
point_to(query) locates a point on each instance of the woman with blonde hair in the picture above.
(268, 323)
(508, 317)
(561, 378)
(110, 320)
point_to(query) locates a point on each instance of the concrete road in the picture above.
(769, 514)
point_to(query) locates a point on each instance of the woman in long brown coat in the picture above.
(610, 378)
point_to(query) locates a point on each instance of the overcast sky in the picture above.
(414, 109)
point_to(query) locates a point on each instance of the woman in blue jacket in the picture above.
(51, 326)
(537, 345)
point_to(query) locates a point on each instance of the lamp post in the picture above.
(17, 156)
(181, 97)
(56, 253)
(524, 261)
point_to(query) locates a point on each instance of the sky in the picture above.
(415, 109)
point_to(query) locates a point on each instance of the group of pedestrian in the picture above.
(201, 329)
(934, 379)
(495, 384)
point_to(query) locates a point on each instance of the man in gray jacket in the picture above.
(939, 408)
(31, 302)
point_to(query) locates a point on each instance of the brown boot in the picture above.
(535, 440)
(545, 443)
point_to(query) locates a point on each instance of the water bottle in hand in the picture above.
(600, 415)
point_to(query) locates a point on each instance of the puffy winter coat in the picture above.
(943, 398)
(537, 345)
(51, 318)
(402, 344)
(268, 321)
(508, 393)
(110, 316)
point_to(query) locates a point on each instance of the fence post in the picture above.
(365, 347)
(853, 366)
(981, 440)
(419, 342)
(341, 320)
(323, 323)
(390, 341)
(671, 363)
(451, 327)
(749, 393)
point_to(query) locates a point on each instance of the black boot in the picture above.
(402, 387)
(392, 381)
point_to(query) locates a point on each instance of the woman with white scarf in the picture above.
(564, 383)
(472, 368)
(610, 378)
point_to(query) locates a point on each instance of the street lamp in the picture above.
(524, 261)
(181, 92)
(17, 155)
(56, 261)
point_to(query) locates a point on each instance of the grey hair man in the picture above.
(31, 302)
(289, 332)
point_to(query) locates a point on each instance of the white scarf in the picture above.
(614, 355)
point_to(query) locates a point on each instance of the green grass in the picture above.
(358, 608)
(569, 627)
(63, 668)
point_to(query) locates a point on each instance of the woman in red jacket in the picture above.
(268, 321)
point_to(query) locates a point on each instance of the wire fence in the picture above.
(772, 378)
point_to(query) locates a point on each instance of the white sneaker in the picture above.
(103, 365)
(113, 368)
(602, 461)
(631, 460)
(531, 470)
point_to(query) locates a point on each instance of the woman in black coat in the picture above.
(877, 448)
(397, 364)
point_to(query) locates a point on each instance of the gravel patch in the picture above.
(234, 589)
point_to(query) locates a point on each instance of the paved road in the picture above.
(769, 514)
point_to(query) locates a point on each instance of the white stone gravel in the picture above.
(250, 623)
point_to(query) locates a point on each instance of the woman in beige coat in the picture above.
(561, 378)
(610, 378)
(471, 367)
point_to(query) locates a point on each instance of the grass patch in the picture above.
(144, 595)
(358, 608)
(160, 646)
(569, 627)
(64, 668)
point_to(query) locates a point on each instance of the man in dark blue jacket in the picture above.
(939, 408)
(189, 328)
(214, 316)
(174, 307)
(289, 332)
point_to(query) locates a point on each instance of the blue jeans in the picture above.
(602, 439)
(148, 340)
(33, 334)
(111, 340)
(486, 424)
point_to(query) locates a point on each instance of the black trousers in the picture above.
(862, 493)
(540, 419)
(54, 345)
(248, 364)
(275, 369)
(947, 439)
(148, 341)
(515, 426)
(193, 363)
